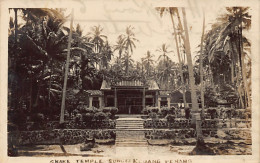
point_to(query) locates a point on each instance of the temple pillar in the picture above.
(90, 101)
(159, 102)
(105, 101)
(143, 99)
(156, 98)
(100, 102)
(115, 102)
(169, 102)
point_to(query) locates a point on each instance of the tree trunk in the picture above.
(49, 93)
(15, 25)
(190, 68)
(201, 68)
(181, 28)
(14, 84)
(244, 69)
(179, 58)
(127, 62)
(66, 72)
(239, 60)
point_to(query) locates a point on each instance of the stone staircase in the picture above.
(129, 132)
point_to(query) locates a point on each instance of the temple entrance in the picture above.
(130, 96)
(129, 101)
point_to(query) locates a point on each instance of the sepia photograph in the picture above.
(130, 80)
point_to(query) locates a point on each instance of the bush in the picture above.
(153, 115)
(87, 117)
(89, 110)
(100, 116)
(78, 118)
(153, 109)
(145, 111)
(106, 109)
(170, 118)
(81, 108)
(165, 111)
(113, 110)
(38, 118)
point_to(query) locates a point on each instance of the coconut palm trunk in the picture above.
(50, 80)
(196, 121)
(201, 68)
(244, 68)
(190, 68)
(66, 71)
(179, 58)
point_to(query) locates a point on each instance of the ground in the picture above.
(161, 149)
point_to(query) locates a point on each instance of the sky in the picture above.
(150, 29)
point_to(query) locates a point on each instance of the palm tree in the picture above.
(66, 71)
(166, 60)
(98, 39)
(230, 37)
(201, 67)
(148, 62)
(166, 72)
(119, 46)
(190, 67)
(172, 12)
(106, 54)
(129, 43)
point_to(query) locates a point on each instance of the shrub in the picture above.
(173, 110)
(109, 115)
(113, 110)
(153, 115)
(170, 118)
(100, 116)
(87, 117)
(145, 111)
(81, 108)
(106, 109)
(153, 109)
(78, 118)
(165, 111)
(38, 118)
(89, 110)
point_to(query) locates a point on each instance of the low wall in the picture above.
(66, 136)
(29, 126)
(224, 134)
(180, 123)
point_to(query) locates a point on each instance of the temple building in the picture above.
(130, 97)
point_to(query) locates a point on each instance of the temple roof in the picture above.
(152, 85)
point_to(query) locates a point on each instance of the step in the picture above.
(131, 142)
(131, 139)
(129, 135)
(131, 145)
(125, 124)
(130, 123)
(131, 120)
(129, 128)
